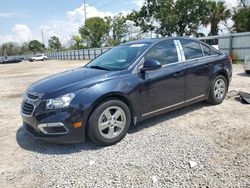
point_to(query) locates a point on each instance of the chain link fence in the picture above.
(85, 54)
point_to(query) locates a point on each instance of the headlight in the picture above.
(60, 102)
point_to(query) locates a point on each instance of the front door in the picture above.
(163, 88)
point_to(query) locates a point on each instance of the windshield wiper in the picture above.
(98, 67)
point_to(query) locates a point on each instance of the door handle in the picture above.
(206, 66)
(178, 74)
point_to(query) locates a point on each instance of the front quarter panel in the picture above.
(124, 86)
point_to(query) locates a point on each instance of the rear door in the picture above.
(197, 69)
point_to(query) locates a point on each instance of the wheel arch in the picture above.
(114, 95)
(223, 73)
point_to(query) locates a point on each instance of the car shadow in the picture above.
(243, 74)
(167, 116)
(27, 142)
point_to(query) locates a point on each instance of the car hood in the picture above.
(70, 81)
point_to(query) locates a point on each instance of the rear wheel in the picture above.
(248, 71)
(109, 122)
(218, 90)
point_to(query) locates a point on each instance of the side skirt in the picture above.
(169, 108)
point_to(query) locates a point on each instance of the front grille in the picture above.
(31, 96)
(27, 108)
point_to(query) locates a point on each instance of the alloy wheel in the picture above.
(111, 122)
(219, 88)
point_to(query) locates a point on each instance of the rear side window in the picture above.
(191, 49)
(208, 51)
(164, 52)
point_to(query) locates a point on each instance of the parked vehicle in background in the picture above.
(10, 60)
(38, 57)
(125, 85)
(247, 64)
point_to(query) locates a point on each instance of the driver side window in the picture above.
(165, 52)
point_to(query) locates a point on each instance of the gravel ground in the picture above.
(197, 146)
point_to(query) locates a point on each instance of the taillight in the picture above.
(230, 59)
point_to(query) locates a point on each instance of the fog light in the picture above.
(77, 124)
(53, 128)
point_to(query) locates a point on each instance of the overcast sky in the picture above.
(23, 20)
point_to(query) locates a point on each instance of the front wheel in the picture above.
(248, 71)
(218, 90)
(109, 122)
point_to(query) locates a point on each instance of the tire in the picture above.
(248, 71)
(218, 90)
(104, 128)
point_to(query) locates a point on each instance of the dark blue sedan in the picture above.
(125, 85)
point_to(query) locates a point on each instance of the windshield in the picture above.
(118, 58)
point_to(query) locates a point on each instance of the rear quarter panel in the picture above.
(222, 65)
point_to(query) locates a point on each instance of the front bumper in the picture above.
(71, 135)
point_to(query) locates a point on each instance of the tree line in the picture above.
(158, 17)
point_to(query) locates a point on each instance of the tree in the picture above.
(25, 48)
(144, 18)
(241, 18)
(244, 3)
(36, 46)
(77, 42)
(119, 29)
(10, 48)
(54, 43)
(168, 17)
(94, 31)
(217, 12)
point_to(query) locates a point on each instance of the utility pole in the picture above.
(85, 11)
(42, 36)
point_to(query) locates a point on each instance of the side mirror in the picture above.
(150, 64)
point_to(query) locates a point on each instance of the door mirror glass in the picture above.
(150, 64)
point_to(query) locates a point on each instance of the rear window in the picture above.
(191, 49)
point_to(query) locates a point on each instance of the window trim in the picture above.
(182, 54)
(202, 50)
(178, 49)
(187, 61)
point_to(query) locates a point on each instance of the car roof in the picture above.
(156, 40)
